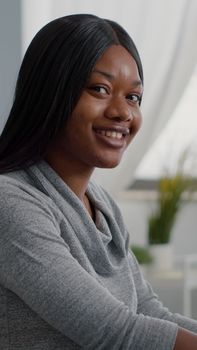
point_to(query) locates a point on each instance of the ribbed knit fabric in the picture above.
(66, 282)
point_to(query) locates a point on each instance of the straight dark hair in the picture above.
(53, 74)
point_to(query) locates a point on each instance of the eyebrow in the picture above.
(135, 83)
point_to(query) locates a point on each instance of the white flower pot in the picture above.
(163, 256)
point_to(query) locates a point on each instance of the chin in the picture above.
(108, 163)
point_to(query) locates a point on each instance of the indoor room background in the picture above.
(165, 34)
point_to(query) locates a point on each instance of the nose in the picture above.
(118, 109)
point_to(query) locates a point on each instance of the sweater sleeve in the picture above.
(36, 265)
(149, 304)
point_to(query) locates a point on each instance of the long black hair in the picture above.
(53, 74)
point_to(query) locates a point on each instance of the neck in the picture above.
(75, 176)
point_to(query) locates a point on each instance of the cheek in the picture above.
(89, 107)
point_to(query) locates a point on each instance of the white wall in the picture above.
(10, 53)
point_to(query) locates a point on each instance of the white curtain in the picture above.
(165, 33)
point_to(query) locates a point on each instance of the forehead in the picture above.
(117, 61)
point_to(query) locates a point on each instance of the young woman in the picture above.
(67, 278)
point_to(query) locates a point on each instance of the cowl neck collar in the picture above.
(102, 239)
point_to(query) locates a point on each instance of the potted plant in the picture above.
(162, 220)
(142, 254)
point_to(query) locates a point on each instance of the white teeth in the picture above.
(118, 135)
(112, 134)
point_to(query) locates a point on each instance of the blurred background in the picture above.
(165, 34)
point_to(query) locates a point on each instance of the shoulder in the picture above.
(15, 187)
(15, 179)
(19, 196)
(11, 184)
(19, 183)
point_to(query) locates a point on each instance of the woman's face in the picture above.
(107, 115)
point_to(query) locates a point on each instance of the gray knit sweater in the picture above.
(66, 282)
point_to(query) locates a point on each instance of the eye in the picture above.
(134, 98)
(100, 89)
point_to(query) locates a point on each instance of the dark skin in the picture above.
(109, 104)
(102, 125)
